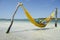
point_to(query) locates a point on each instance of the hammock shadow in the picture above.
(36, 29)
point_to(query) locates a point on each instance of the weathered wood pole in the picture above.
(12, 19)
(56, 18)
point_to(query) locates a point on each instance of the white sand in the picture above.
(27, 31)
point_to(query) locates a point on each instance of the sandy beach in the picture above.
(27, 31)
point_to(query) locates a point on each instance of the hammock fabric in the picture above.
(43, 23)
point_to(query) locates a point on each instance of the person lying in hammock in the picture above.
(43, 23)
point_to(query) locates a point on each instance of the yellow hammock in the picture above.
(32, 20)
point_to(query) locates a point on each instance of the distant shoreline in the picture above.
(22, 19)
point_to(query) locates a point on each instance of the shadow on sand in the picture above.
(36, 29)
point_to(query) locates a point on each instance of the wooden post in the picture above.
(56, 18)
(12, 19)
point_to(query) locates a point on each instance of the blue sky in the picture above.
(37, 8)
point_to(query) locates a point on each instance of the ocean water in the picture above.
(23, 20)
